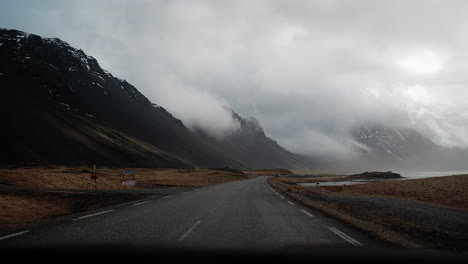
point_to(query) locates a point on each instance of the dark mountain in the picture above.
(251, 147)
(59, 106)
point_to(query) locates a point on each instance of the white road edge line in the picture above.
(143, 202)
(86, 216)
(307, 213)
(169, 196)
(291, 203)
(345, 237)
(189, 231)
(13, 235)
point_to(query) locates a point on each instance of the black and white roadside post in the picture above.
(94, 176)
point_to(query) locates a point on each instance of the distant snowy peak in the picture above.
(389, 141)
(393, 143)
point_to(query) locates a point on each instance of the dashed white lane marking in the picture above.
(282, 197)
(86, 216)
(291, 203)
(307, 213)
(212, 210)
(169, 196)
(143, 202)
(189, 231)
(345, 237)
(13, 235)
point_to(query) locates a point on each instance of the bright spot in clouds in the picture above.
(422, 62)
(418, 94)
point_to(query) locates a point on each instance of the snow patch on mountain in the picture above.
(390, 142)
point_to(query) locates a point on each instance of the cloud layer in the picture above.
(309, 71)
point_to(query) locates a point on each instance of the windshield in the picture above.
(253, 126)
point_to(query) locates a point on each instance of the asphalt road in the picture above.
(244, 214)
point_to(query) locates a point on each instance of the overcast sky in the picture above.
(309, 71)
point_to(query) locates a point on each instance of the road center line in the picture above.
(345, 237)
(169, 196)
(86, 216)
(143, 202)
(212, 210)
(189, 231)
(13, 235)
(307, 213)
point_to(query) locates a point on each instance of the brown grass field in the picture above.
(447, 191)
(111, 178)
(21, 207)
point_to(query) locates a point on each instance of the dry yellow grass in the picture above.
(22, 207)
(111, 178)
(267, 172)
(18, 209)
(447, 191)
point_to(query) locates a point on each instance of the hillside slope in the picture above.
(60, 106)
(406, 148)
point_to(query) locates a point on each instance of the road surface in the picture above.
(244, 214)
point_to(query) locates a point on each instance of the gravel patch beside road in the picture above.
(427, 225)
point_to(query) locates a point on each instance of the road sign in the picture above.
(128, 183)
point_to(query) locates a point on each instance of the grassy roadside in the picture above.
(20, 207)
(441, 192)
(79, 177)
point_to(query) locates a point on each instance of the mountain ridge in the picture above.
(406, 148)
(66, 92)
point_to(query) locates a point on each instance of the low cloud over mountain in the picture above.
(311, 72)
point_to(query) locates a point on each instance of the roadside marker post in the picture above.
(94, 176)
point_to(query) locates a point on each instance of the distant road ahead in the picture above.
(237, 215)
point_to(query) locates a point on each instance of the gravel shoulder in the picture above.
(425, 225)
(407, 222)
